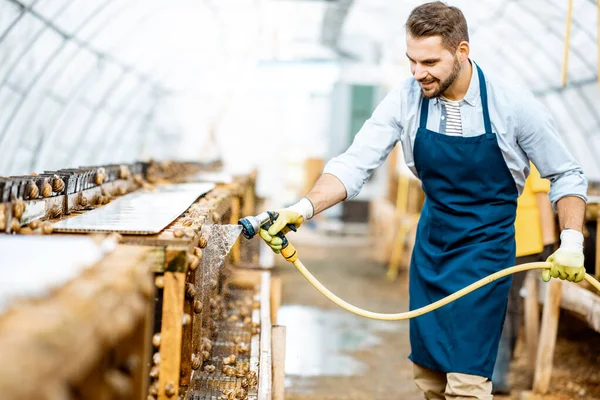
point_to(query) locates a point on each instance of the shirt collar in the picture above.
(472, 94)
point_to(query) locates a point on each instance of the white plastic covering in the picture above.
(86, 82)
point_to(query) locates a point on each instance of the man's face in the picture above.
(432, 65)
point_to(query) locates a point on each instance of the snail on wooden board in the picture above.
(154, 371)
(25, 230)
(242, 348)
(33, 191)
(196, 362)
(46, 190)
(190, 290)
(100, 176)
(83, 201)
(187, 222)
(198, 253)
(156, 358)
(124, 172)
(34, 225)
(209, 368)
(15, 225)
(197, 306)
(156, 340)
(47, 228)
(186, 319)
(206, 344)
(170, 389)
(159, 281)
(229, 360)
(203, 242)
(178, 233)
(58, 185)
(194, 262)
(18, 208)
(205, 355)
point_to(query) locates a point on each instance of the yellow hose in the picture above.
(293, 258)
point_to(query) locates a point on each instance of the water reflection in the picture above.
(321, 342)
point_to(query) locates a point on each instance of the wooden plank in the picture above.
(187, 335)
(565, 68)
(547, 341)
(171, 333)
(575, 298)
(265, 361)
(275, 297)
(278, 352)
(532, 317)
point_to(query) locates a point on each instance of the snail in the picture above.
(100, 176)
(83, 201)
(229, 370)
(25, 231)
(233, 318)
(159, 282)
(189, 232)
(245, 312)
(237, 340)
(198, 253)
(229, 360)
(194, 262)
(247, 320)
(15, 225)
(153, 390)
(190, 290)
(216, 217)
(33, 174)
(156, 358)
(243, 366)
(213, 283)
(242, 348)
(154, 372)
(156, 340)
(206, 344)
(33, 191)
(205, 355)
(202, 242)
(58, 185)
(187, 222)
(121, 191)
(18, 208)
(124, 172)
(196, 362)
(209, 368)
(250, 379)
(2, 220)
(170, 389)
(55, 211)
(186, 319)
(178, 233)
(46, 190)
(197, 306)
(47, 228)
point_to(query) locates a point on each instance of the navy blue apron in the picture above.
(465, 232)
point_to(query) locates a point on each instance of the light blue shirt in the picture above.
(524, 128)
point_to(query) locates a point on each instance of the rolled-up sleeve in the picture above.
(543, 145)
(370, 146)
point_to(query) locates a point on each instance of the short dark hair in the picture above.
(438, 19)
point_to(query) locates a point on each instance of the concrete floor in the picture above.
(332, 354)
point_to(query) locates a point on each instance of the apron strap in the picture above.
(424, 113)
(484, 104)
(484, 100)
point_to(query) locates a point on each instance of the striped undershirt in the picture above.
(453, 122)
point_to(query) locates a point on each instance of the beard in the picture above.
(446, 83)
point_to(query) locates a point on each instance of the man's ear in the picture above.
(462, 51)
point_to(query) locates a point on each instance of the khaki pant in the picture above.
(455, 386)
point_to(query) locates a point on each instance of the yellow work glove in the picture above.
(567, 261)
(295, 215)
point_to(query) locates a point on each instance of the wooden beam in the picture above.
(171, 333)
(275, 297)
(597, 272)
(265, 362)
(278, 349)
(532, 317)
(567, 39)
(547, 342)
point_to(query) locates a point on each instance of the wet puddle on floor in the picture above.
(320, 342)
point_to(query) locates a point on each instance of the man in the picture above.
(535, 238)
(469, 139)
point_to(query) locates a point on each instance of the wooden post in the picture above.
(567, 38)
(399, 218)
(275, 297)
(532, 317)
(545, 351)
(278, 359)
(171, 332)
